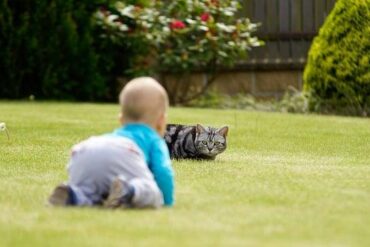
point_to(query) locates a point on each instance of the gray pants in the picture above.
(96, 162)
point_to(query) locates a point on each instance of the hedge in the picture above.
(51, 49)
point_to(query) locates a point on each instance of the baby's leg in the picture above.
(80, 198)
(91, 170)
(137, 192)
(146, 193)
(66, 195)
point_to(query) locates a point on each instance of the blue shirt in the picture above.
(156, 156)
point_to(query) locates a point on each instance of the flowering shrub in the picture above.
(182, 36)
(134, 27)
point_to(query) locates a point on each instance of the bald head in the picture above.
(143, 100)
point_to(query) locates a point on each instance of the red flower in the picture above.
(205, 17)
(176, 24)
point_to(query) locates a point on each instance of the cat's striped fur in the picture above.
(195, 142)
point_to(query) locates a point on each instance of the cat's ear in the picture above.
(200, 129)
(223, 131)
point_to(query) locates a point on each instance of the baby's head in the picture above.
(144, 100)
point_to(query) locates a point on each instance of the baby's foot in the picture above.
(61, 196)
(120, 194)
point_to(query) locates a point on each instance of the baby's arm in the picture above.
(160, 166)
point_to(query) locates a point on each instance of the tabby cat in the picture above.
(195, 142)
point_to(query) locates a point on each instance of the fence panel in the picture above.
(296, 20)
(284, 14)
(288, 27)
(308, 17)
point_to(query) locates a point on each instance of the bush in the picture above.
(294, 101)
(338, 70)
(132, 26)
(48, 49)
(181, 37)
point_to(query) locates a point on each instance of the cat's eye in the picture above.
(217, 143)
(204, 142)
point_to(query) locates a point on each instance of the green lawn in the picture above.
(285, 180)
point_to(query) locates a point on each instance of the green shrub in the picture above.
(338, 70)
(180, 37)
(49, 49)
(294, 101)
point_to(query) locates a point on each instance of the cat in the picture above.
(195, 142)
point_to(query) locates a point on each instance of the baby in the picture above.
(130, 167)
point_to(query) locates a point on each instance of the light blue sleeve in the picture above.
(160, 166)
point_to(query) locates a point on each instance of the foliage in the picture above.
(48, 49)
(181, 36)
(54, 49)
(204, 34)
(134, 28)
(338, 70)
(293, 101)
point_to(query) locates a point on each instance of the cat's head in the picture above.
(210, 141)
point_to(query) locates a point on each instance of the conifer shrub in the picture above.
(337, 74)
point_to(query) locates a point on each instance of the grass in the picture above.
(285, 180)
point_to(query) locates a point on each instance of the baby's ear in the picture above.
(120, 118)
(223, 131)
(200, 129)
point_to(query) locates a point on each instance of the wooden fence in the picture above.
(287, 27)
